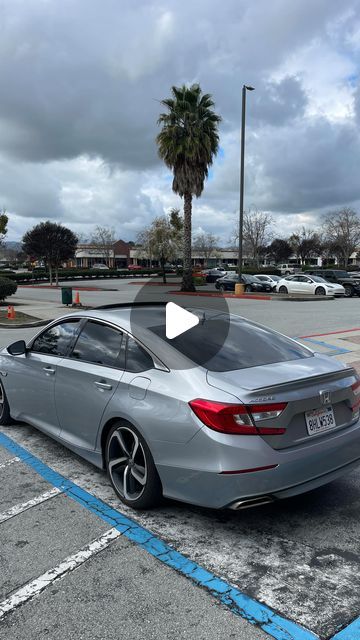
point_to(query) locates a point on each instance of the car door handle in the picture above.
(49, 370)
(103, 385)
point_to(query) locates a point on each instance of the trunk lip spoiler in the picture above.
(323, 377)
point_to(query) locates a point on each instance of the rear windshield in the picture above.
(245, 345)
(340, 274)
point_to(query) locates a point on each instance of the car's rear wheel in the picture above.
(131, 468)
(221, 288)
(283, 290)
(5, 417)
(248, 288)
(320, 291)
(349, 291)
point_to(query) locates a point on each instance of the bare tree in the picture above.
(256, 233)
(206, 245)
(342, 229)
(103, 239)
(162, 239)
(305, 243)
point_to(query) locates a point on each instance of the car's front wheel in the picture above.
(248, 288)
(131, 468)
(221, 288)
(283, 289)
(349, 291)
(320, 291)
(5, 417)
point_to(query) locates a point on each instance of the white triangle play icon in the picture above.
(178, 320)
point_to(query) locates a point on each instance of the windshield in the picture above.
(248, 278)
(247, 344)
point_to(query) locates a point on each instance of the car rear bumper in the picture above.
(200, 478)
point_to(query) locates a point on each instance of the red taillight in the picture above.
(356, 387)
(238, 418)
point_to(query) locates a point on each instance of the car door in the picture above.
(305, 285)
(87, 380)
(31, 393)
(136, 380)
(292, 284)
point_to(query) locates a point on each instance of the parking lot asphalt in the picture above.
(300, 557)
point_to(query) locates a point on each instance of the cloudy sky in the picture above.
(81, 82)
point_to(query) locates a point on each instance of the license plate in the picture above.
(320, 420)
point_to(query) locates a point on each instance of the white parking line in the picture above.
(9, 462)
(24, 506)
(35, 587)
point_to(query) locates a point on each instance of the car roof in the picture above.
(138, 325)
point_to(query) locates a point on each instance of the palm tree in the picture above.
(188, 143)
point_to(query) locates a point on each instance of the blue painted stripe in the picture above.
(351, 632)
(255, 612)
(335, 351)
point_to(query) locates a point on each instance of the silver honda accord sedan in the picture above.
(257, 418)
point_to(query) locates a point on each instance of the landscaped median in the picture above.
(254, 296)
(79, 274)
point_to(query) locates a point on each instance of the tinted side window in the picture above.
(99, 344)
(56, 340)
(137, 359)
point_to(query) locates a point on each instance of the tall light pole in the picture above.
(242, 156)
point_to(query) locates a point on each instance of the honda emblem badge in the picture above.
(325, 397)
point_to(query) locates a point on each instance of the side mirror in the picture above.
(17, 348)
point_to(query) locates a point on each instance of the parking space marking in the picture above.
(333, 350)
(24, 506)
(9, 462)
(239, 603)
(351, 632)
(35, 587)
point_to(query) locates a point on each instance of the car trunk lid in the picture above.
(318, 393)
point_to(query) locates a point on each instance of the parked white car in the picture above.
(100, 265)
(303, 284)
(273, 280)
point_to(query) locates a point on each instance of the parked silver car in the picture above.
(256, 418)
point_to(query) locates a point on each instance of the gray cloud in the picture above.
(81, 84)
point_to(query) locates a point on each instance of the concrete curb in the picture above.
(25, 325)
(253, 296)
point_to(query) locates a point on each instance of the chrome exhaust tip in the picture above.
(247, 503)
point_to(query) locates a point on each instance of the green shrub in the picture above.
(7, 288)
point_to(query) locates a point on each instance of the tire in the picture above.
(349, 290)
(222, 288)
(125, 444)
(248, 288)
(320, 291)
(283, 290)
(5, 417)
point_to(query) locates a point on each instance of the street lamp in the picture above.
(242, 154)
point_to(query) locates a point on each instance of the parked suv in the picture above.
(288, 269)
(350, 284)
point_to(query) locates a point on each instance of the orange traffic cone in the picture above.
(77, 298)
(11, 312)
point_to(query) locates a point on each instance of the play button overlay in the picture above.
(195, 326)
(178, 320)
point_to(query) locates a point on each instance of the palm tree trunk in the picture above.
(50, 274)
(187, 279)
